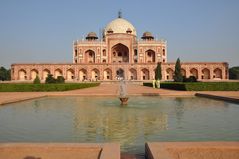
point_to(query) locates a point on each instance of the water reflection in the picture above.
(116, 124)
(179, 109)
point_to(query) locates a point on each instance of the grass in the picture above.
(199, 86)
(9, 87)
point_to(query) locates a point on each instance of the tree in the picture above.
(37, 80)
(178, 77)
(50, 79)
(234, 73)
(158, 72)
(5, 74)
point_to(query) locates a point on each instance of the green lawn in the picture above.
(9, 87)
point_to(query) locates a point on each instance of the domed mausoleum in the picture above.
(118, 54)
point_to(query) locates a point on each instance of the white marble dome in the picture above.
(120, 25)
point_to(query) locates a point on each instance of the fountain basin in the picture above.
(102, 120)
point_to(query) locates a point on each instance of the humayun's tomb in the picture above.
(118, 54)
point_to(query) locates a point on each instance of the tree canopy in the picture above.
(234, 73)
(5, 74)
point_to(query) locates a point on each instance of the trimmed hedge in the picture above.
(9, 87)
(199, 86)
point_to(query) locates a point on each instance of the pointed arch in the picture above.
(169, 74)
(183, 71)
(133, 74)
(82, 74)
(194, 72)
(145, 74)
(120, 53)
(217, 73)
(58, 72)
(70, 74)
(95, 74)
(205, 73)
(45, 73)
(33, 74)
(22, 75)
(150, 56)
(90, 56)
(107, 74)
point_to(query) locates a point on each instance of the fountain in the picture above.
(123, 93)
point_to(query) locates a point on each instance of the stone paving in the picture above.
(110, 90)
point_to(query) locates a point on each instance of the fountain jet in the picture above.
(123, 93)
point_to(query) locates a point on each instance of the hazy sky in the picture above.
(43, 30)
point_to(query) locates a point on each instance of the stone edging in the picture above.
(229, 99)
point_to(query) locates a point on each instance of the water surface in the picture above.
(102, 119)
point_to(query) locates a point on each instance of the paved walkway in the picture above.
(112, 90)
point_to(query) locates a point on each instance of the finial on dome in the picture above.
(120, 14)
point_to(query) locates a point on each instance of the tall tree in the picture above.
(178, 77)
(158, 72)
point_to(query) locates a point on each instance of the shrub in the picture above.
(50, 79)
(37, 80)
(60, 79)
(199, 86)
(189, 79)
(44, 87)
(148, 84)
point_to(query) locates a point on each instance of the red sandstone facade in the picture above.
(118, 54)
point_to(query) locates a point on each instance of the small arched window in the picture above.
(135, 52)
(104, 52)
(75, 52)
(163, 52)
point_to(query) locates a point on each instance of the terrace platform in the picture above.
(59, 151)
(192, 150)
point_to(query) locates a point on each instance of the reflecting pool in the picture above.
(102, 119)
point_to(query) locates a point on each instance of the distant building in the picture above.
(118, 54)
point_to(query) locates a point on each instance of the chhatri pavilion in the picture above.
(118, 54)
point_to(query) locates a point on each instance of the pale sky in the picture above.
(43, 31)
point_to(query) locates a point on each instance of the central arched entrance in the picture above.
(120, 53)
(150, 56)
(89, 56)
(120, 74)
